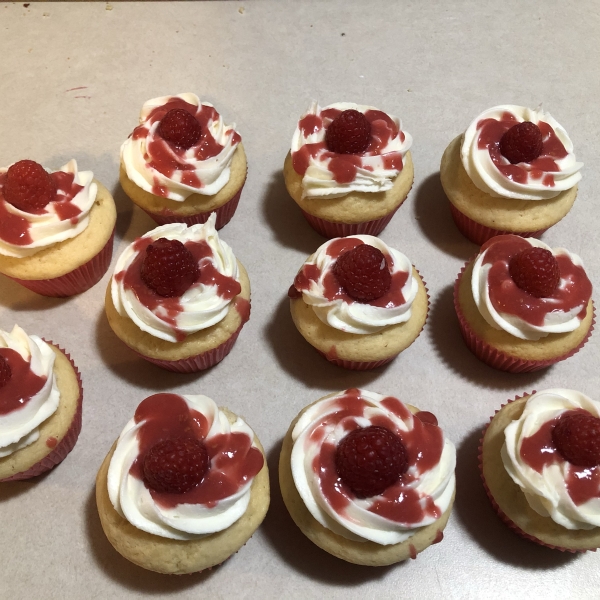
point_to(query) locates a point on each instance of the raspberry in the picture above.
(364, 273)
(348, 133)
(28, 186)
(577, 438)
(521, 143)
(369, 460)
(536, 271)
(176, 466)
(180, 128)
(5, 371)
(169, 268)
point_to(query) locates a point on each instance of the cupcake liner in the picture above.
(480, 234)
(503, 517)
(500, 360)
(65, 446)
(77, 281)
(224, 214)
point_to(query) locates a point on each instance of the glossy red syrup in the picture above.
(15, 229)
(233, 460)
(170, 308)
(51, 442)
(574, 289)
(344, 167)
(424, 443)
(413, 551)
(23, 384)
(539, 451)
(490, 132)
(439, 536)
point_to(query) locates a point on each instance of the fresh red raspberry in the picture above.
(28, 186)
(5, 371)
(348, 133)
(180, 128)
(521, 143)
(577, 438)
(176, 466)
(169, 268)
(369, 460)
(536, 271)
(363, 272)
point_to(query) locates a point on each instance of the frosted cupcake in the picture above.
(523, 306)
(179, 297)
(349, 168)
(513, 171)
(183, 162)
(540, 462)
(184, 487)
(358, 302)
(368, 478)
(56, 228)
(40, 405)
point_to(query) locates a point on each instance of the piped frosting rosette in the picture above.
(331, 175)
(554, 171)
(175, 173)
(418, 499)
(214, 504)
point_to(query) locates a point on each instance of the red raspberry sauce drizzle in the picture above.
(23, 384)
(574, 289)
(400, 502)
(167, 158)
(490, 132)
(170, 308)
(233, 460)
(539, 451)
(344, 166)
(15, 229)
(332, 288)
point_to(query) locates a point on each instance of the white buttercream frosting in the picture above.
(489, 179)
(547, 491)
(48, 227)
(326, 422)
(201, 305)
(371, 176)
(213, 173)
(20, 427)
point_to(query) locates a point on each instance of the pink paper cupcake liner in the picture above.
(65, 446)
(504, 518)
(500, 360)
(224, 214)
(480, 234)
(77, 281)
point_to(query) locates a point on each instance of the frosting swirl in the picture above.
(320, 289)
(331, 175)
(553, 487)
(204, 304)
(418, 499)
(554, 171)
(219, 500)
(25, 233)
(505, 306)
(31, 395)
(164, 170)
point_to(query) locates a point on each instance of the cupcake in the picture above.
(182, 162)
(184, 487)
(40, 405)
(349, 168)
(56, 228)
(540, 463)
(178, 297)
(513, 171)
(368, 478)
(523, 306)
(358, 302)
